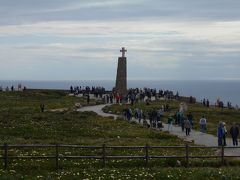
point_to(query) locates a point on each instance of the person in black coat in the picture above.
(42, 106)
(234, 131)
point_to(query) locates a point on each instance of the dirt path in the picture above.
(195, 136)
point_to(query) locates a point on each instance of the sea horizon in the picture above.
(226, 90)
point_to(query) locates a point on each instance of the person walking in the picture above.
(220, 132)
(88, 98)
(42, 107)
(139, 114)
(187, 126)
(224, 134)
(170, 121)
(203, 124)
(182, 123)
(190, 118)
(129, 114)
(180, 119)
(234, 131)
(159, 114)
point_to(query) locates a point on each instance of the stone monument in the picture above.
(121, 79)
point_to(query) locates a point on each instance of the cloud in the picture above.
(165, 39)
(218, 31)
(33, 11)
(155, 37)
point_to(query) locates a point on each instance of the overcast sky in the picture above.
(77, 40)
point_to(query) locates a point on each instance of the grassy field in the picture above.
(23, 123)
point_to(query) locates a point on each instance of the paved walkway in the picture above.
(195, 136)
(97, 109)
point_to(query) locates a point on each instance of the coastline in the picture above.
(226, 90)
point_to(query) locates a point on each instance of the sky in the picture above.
(81, 40)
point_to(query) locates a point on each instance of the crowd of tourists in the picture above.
(186, 123)
(97, 91)
(222, 133)
(136, 94)
(13, 88)
(154, 116)
(219, 103)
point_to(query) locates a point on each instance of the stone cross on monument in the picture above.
(121, 79)
(123, 50)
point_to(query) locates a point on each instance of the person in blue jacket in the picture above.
(220, 134)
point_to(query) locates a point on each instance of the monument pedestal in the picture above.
(121, 79)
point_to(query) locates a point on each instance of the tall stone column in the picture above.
(121, 79)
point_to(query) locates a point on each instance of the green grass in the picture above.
(28, 102)
(128, 173)
(22, 123)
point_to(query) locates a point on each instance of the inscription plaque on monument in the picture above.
(121, 79)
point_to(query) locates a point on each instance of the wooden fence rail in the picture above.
(104, 157)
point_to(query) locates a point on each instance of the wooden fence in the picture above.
(104, 156)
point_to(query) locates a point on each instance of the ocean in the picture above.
(226, 90)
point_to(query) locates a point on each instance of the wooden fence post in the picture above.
(222, 153)
(5, 156)
(57, 156)
(104, 155)
(147, 154)
(187, 155)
